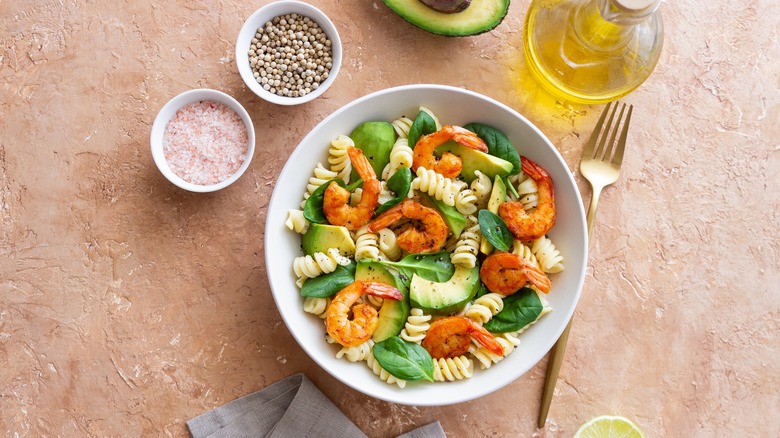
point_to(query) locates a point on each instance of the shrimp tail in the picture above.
(387, 218)
(468, 139)
(382, 291)
(361, 164)
(487, 340)
(537, 277)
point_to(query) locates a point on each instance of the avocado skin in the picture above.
(393, 313)
(459, 24)
(447, 297)
(376, 140)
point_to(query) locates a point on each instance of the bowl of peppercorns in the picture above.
(288, 52)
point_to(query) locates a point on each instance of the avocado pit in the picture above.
(447, 6)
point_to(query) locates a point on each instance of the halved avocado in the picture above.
(447, 297)
(474, 160)
(480, 16)
(321, 237)
(393, 314)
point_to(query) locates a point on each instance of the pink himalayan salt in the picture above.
(205, 142)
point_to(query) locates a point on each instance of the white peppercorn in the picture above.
(290, 55)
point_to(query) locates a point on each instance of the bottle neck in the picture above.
(607, 24)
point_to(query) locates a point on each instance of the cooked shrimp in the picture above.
(449, 164)
(505, 273)
(533, 225)
(351, 332)
(450, 337)
(426, 233)
(336, 201)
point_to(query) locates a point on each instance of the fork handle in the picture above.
(594, 202)
(556, 354)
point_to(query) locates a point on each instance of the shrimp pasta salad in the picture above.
(425, 248)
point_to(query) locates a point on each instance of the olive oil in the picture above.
(592, 51)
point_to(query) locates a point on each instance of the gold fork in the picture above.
(600, 165)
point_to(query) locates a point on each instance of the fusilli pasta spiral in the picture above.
(523, 250)
(339, 158)
(296, 222)
(316, 306)
(550, 259)
(465, 252)
(320, 176)
(366, 244)
(482, 186)
(484, 307)
(306, 267)
(416, 326)
(451, 192)
(388, 244)
(402, 126)
(400, 156)
(486, 357)
(451, 369)
(356, 353)
(527, 190)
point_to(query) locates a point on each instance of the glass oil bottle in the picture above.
(592, 51)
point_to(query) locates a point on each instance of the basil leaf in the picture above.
(329, 284)
(405, 360)
(498, 144)
(494, 229)
(434, 267)
(312, 209)
(423, 124)
(520, 309)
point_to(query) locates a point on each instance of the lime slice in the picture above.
(609, 426)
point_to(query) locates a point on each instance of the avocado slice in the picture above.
(446, 297)
(454, 219)
(394, 313)
(322, 237)
(375, 139)
(480, 16)
(473, 159)
(497, 197)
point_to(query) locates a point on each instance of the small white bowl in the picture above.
(165, 115)
(268, 13)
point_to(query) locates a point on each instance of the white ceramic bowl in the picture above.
(452, 106)
(165, 115)
(267, 13)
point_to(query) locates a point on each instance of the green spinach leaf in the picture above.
(434, 267)
(423, 124)
(520, 309)
(494, 229)
(329, 284)
(400, 183)
(498, 144)
(405, 360)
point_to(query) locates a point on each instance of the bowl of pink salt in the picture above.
(202, 140)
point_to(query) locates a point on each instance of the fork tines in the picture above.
(608, 150)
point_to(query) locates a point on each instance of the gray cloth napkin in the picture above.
(291, 407)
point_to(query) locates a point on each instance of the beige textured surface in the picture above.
(128, 306)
